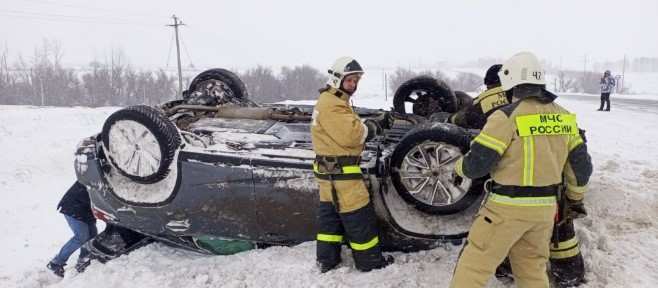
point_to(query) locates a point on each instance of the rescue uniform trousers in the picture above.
(566, 261)
(523, 232)
(356, 221)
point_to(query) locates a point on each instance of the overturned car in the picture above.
(217, 173)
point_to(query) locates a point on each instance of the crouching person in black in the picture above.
(76, 208)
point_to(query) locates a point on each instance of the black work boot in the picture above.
(568, 272)
(569, 283)
(388, 260)
(82, 265)
(326, 267)
(385, 261)
(58, 269)
(504, 272)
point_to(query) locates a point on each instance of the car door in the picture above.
(215, 198)
(286, 197)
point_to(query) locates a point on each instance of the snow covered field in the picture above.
(619, 238)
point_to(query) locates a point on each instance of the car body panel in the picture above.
(263, 194)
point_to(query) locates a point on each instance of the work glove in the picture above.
(374, 129)
(575, 209)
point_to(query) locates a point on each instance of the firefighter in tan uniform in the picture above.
(527, 147)
(474, 116)
(345, 213)
(566, 261)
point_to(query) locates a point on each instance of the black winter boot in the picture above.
(58, 269)
(504, 272)
(388, 260)
(326, 267)
(385, 261)
(82, 265)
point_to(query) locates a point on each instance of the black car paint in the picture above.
(219, 196)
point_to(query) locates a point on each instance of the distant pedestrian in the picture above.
(607, 86)
(76, 208)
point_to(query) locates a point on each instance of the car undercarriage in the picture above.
(215, 169)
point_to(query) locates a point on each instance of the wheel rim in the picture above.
(134, 149)
(427, 174)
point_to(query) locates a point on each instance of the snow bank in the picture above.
(619, 238)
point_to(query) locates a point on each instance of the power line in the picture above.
(171, 41)
(70, 18)
(59, 4)
(188, 53)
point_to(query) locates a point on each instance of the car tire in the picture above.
(216, 86)
(142, 134)
(408, 172)
(432, 96)
(463, 99)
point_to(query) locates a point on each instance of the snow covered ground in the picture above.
(619, 238)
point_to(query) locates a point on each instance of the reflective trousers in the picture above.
(359, 228)
(522, 232)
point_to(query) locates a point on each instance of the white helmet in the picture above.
(522, 68)
(342, 67)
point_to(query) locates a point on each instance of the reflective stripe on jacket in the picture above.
(475, 116)
(532, 144)
(490, 100)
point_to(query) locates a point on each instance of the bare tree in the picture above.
(466, 82)
(4, 74)
(399, 76)
(164, 87)
(301, 82)
(262, 85)
(566, 82)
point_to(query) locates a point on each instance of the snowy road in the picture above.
(642, 105)
(619, 238)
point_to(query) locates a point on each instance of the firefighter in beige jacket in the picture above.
(345, 213)
(527, 147)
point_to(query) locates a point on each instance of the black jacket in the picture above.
(75, 203)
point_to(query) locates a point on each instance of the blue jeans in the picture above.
(82, 232)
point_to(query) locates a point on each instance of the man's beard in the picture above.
(348, 91)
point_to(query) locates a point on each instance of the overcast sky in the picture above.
(244, 33)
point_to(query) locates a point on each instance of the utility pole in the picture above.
(385, 86)
(177, 23)
(623, 75)
(584, 73)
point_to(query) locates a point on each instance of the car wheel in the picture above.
(216, 86)
(141, 143)
(426, 95)
(422, 169)
(463, 99)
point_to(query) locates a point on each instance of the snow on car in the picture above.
(216, 168)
